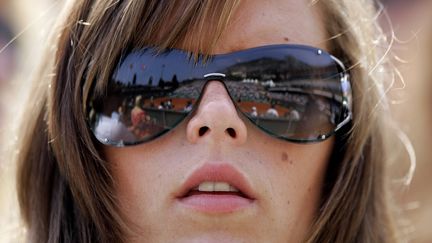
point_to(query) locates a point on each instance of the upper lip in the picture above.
(217, 172)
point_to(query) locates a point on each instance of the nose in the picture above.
(216, 118)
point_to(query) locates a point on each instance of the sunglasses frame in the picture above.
(216, 76)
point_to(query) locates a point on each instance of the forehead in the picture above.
(257, 23)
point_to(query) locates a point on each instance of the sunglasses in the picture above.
(297, 93)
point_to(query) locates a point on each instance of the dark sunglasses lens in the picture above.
(299, 94)
(142, 101)
(294, 116)
(291, 92)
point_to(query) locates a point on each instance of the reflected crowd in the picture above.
(132, 114)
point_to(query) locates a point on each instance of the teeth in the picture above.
(206, 187)
(215, 186)
(221, 187)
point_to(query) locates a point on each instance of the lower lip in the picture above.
(210, 203)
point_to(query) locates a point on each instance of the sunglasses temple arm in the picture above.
(344, 122)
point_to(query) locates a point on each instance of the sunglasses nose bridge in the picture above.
(218, 77)
(215, 76)
(221, 77)
(216, 115)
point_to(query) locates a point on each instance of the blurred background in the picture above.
(25, 26)
(408, 26)
(24, 29)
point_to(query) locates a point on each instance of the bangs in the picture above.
(194, 26)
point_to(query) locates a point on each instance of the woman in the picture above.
(216, 174)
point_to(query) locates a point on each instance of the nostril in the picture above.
(202, 131)
(231, 132)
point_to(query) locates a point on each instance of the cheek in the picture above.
(295, 177)
(302, 169)
(306, 170)
(142, 177)
(293, 169)
(135, 175)
(132, 178)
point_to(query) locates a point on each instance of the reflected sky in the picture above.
(139, 67)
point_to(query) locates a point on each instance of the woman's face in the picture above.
(282, 181)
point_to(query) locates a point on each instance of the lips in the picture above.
(216, 188)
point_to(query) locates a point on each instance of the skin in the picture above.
(287, 178)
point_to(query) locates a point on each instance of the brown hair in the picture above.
(65, 186)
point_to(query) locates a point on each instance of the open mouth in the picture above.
(216, 189)
(216, 197)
